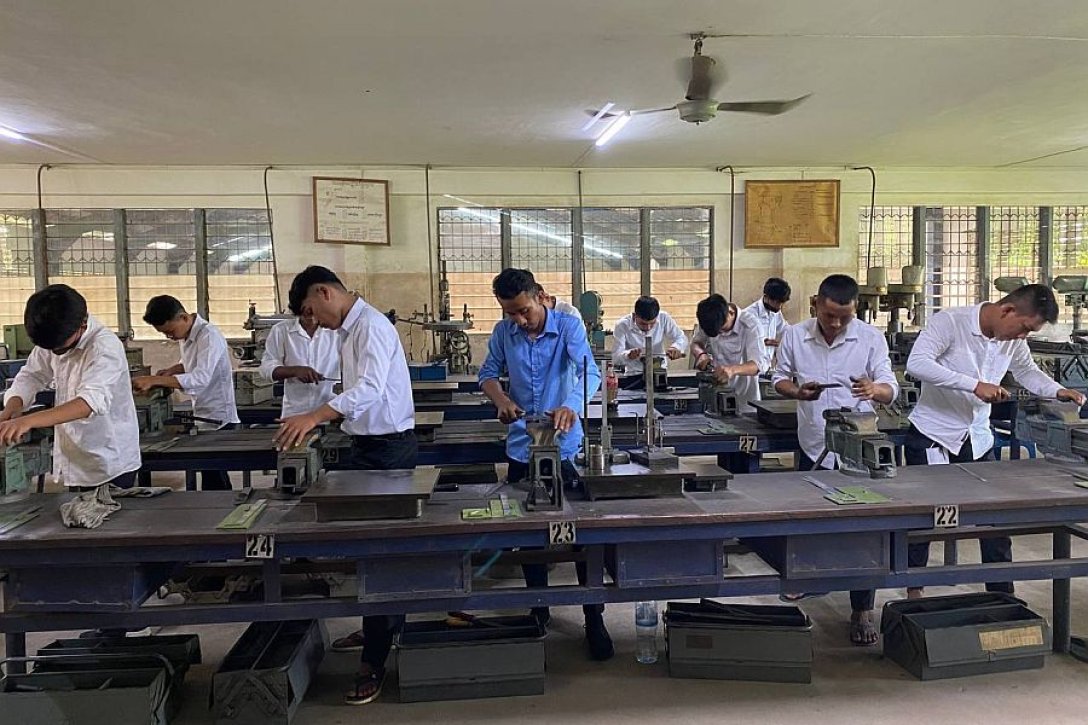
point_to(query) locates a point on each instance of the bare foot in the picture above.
(916, 592)
(862, 630)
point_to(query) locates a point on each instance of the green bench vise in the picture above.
(26, 460)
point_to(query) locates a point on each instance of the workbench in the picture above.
(634, 550)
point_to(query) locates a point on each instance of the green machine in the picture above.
(17, 341)
(153, 409)
(26, 460)
(590, 305)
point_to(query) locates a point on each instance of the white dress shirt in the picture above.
(771, 326)
(627, 337)
(377, 397)
(289, 345)
(744, 343)
(208, 378)
(93, 450)
(567, 309)
(951, 356)
(803, 354)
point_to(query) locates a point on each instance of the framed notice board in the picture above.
(351, 211)
(791, 214)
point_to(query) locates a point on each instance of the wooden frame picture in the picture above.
(781, 214)
(350, 211)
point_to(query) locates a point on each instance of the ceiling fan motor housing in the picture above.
(697, 111)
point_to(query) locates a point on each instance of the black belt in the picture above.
(399, 436)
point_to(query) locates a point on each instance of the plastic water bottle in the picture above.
(646, 632)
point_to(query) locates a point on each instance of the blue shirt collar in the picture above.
(551, 325)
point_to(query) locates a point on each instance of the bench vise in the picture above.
(1055, 427)
(862, 449)
(153, 409)
(719, 401)
(26, 460)
(298, 468)
(545, 466)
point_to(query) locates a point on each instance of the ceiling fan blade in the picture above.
(644, 111)
(768, 108)
(612, 114)
(701, 74)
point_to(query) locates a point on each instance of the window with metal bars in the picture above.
(161, 247)
(952, 259)
(16, 264)
(541, 240)
(612, 254)
(240, 269)
(892, 245)
(82, 254)
(680, 260)
(470, 248)
(1013, 246)
(1069, 248)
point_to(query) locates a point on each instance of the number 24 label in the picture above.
(260, 546)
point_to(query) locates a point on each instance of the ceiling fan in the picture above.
(699, 105)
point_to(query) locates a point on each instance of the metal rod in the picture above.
(648, 379)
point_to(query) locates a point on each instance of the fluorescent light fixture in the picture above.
(600, 114)
(162, 245)
(13, 135)
(613, 128)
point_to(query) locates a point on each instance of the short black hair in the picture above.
(1033, 299)
(841, 289)
(777, 289)
(511, 282)
(304, 280)
(647, 308)
(53, 314)
(162, 309)
(711, 314)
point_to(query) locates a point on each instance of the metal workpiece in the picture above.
(862, 449)
(365, 495)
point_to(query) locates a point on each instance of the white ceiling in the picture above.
(505, 82)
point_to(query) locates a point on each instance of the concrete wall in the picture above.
(399, 276)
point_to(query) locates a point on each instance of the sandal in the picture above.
(368, 686)
(863, 633)
(791, 597)
(351, 642)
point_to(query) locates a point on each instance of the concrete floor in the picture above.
(850, 684)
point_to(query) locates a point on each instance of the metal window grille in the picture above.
(1014, 245)
(892, 241)
(952, 259)
(613, 258)
(1069, 248)
(16, 264)
(240, 269)
(680, 244)
(541, 240)
(161, 247)
(470, 246)
(82, 254)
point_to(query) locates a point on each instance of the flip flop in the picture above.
(367, 688)
(861, 632)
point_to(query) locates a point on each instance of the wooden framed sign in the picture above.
(791, 214)
(351, 211)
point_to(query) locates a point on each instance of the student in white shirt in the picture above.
(768, 312)
(729, 342)
(96, 436)
(377, 411)
(960, 358)
(306, 357)
(204, 374)
(561, 306)
(835, 348)
(629, 340)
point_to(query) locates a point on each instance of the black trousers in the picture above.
(536, 575)
(382, 453)
(632, 382)
(861, 600)
(217, 480)
(997, 549)
(125, 480)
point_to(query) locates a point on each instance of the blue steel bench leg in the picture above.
(1062, 601)
(15, 646)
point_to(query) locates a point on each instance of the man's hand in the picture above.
(509, 411)
(809, 391)
(703, 361)
(177, 369)
(144, 383)
(1072, 396)
(12, 409)
(293, 430)
(990, 393)
(673, 353)
(770, 342)
(12, 431)
(723, 374)
(863, 388)
(305, 374)
(634, 354)
(564, 419)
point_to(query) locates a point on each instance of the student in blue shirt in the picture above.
(540, 349)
